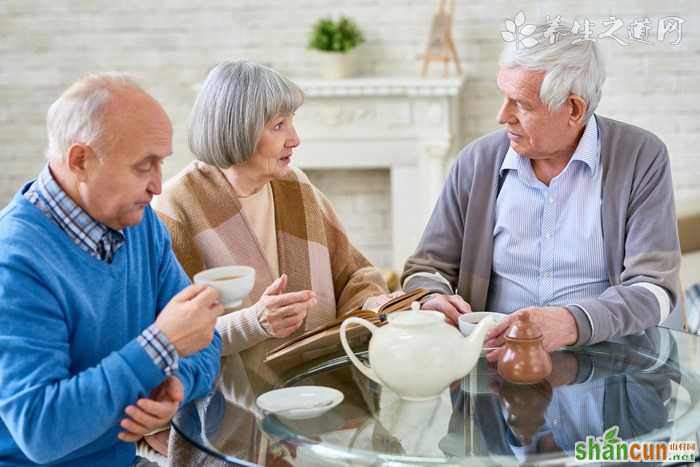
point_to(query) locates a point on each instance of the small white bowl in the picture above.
(469, 321)
(300, 402)
(233, 283)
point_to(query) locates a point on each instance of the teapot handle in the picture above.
(367, 371)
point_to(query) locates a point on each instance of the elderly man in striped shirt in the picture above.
(565, 215)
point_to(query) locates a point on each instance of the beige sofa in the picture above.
(689, 232)
(688, 213)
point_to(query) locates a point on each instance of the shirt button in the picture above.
(551, 199)
(547, 235)
(547, 275)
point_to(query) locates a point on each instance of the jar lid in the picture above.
(524, 328)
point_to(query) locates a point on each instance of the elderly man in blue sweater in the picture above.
(101, 333)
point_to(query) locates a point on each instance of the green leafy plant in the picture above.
(335, 36)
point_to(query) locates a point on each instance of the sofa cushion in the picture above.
(688, 213)
(690, 269)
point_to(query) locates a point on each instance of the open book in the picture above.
(325, 339)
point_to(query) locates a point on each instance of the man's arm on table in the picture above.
(648, 288)
(195, 373)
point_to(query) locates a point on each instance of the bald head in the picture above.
(129, 114)
(88, 108)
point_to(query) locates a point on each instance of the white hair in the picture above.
(77, 115)
(571, 63)
(236, 101)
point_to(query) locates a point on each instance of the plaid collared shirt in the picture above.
(94, 237)
(101, 242)
(160, 349)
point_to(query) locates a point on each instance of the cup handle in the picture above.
(367, 371)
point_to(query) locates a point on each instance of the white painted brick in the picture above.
(169, 46)
(361, 199)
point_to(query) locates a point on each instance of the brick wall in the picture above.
(168, 46)
(361, 198)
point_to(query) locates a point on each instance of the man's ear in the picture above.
(578, 108)
(79, 159)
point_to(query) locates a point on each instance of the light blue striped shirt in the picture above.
(548, 240)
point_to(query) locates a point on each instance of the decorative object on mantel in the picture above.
(441, 46)
(335, 42)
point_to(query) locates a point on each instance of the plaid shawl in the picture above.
(208, 229)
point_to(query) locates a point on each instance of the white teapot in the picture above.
(417, 354)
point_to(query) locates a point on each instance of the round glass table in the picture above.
(638, 389)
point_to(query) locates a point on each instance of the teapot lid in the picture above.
(524, 328)
(416, 318)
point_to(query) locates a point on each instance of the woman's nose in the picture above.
(293, 140)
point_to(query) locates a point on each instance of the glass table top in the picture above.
(646, 385)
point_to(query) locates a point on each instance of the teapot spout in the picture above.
(471, 346)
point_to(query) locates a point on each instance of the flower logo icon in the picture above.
(517, 31)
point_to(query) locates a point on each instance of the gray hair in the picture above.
(236, 101)
(571, 64)
(77, 116)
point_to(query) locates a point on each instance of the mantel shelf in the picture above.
(381, 87)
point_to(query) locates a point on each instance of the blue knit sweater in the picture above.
(69, 359)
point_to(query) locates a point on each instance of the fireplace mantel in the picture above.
(381, 87)
(410, 126)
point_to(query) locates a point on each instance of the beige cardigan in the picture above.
(208, 229)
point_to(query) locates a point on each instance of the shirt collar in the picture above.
(82, 228)
(587, 151)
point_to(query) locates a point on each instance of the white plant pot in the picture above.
(337, 65)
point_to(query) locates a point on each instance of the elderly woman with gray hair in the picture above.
(242, 203)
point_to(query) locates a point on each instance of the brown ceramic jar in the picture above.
(524, 360)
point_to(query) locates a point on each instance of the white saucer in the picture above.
(299, 402)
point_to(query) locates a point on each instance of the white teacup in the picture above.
(469, 321)
(233, 283)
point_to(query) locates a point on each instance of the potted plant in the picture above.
(335, 40)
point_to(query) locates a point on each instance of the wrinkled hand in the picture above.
(188, 320)
(375, 302)
(557, 324)
(279, 313)
(151, 413)
(449, 305)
